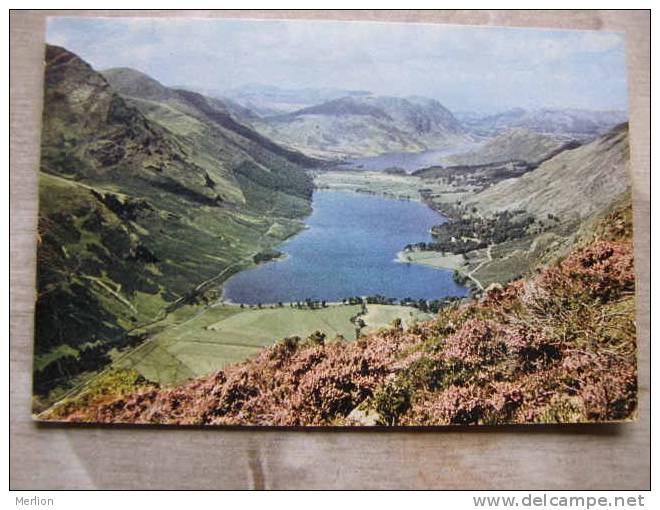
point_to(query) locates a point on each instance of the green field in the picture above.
(219, 335)
(213, 337)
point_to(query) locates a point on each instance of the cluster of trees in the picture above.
(379, 300)
(265, 256)
(310, 304)
(353, 300)
(429, 306)
(475, 176)
(424, 305)
(472, 232)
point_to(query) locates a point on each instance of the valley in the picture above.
(182, 234)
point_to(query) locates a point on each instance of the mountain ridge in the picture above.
(366, 125)
(572, 122)
(141, 206)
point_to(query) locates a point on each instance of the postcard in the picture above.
(324, 223)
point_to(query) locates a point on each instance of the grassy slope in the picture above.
(133, 216)
(557, 347)
(379, 316)
(575, 183)
(576, 187)
(579, 187)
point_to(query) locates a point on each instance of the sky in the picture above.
(479, 69)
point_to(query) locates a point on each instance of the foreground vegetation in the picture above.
(556, 347)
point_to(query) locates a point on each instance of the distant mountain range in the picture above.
(365, 126)
(572, 123)
(343, 123)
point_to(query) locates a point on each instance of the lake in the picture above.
(408, 161)
(349, 249)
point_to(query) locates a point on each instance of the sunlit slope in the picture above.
(565, 196)
(573, 184)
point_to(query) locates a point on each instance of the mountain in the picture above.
(267, 100)
(573, 123)
(147, 196)
(508, 218)
(515, 144)
(191, 114)
(574, 183)
(366, 126)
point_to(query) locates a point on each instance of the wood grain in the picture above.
(614, 456)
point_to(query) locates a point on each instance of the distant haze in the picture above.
(465, 68)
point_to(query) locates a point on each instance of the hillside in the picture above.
(507, 219)
(573, 123)
(557, 347)
(575, 183)
(516, 144)
(366, 125)
(193, 115)
(140, 206)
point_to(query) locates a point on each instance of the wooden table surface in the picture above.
(614, 456)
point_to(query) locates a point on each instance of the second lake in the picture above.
(349, 249)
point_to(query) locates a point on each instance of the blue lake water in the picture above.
(408, 161)
(349, 249)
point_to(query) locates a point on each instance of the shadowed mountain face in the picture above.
(145, 193)
(136, 86)
(366, 126)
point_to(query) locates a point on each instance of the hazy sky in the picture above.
(465, 68)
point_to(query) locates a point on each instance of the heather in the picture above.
(557, 346)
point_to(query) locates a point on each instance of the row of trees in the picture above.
(425, 305)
